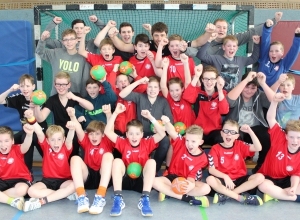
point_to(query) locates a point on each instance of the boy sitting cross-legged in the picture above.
(134, 148)
(228, 169)
(57, 181)
(186, 154)
(15, 178)
(96, 166)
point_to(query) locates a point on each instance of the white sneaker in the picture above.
(98, 204)
(73, 196)
(83, 204)
(18, 203)
(32, 204)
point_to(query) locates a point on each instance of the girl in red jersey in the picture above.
(15, 178)
(57, 181)
(228, 169)
(187, 161)
(134, 148)
(96, 167)
(282, 164)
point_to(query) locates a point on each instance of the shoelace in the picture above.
(81, 201)
(117, 200)
(98, 201)
(223, 199)
(145, 201)
(34, 205)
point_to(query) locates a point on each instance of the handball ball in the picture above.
(125, 67)
(180, 127)
(97, 72)
(152, 125)
(177, 185)
(134, 170)
(38, 97)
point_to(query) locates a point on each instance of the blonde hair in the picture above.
(94, 126)
(106, 41)
(195, 129)
(62, 75)
(52, 129)
(28, 77)
(291, 78)
(277, 43)
(175, 37)
(134, 123)
(292, 125)
(67, 32)
(230, 38)
(210, 69)
(232, 123)
(7, 130)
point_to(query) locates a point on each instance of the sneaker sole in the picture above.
(83, 210)
(146, 215)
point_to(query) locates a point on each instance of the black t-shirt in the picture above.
(165, 51)
(125, 55)
(59, 111)
(19, 102)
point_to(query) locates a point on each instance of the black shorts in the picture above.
(10, 183)
(282, 183)
(93, 179)
(53, 183)
(171, 177)
(239, 181)
(133, 184)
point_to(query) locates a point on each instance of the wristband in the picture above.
(153, 120)
(31, 121)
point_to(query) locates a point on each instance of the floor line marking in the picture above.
(203, 213)
(17, 216)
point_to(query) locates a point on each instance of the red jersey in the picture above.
(93, 154)
(55, 164)
(279, 162)
(185, 164)
(97, 59)
(130, 113)
(143, 66)
(176, 68)
(182, 110)
(210, 110)
(230, 160)
(12, 165)
(139, 154)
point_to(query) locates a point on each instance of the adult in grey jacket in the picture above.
(246, 103)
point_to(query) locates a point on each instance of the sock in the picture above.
(80, 191)
(187, 198)
(145, 193)
(298, 198)
(118, 193)
(167, 167)
(9, 200)
(101, 191)
(240, 198)
(43, 200)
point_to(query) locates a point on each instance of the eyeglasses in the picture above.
(226, 131)
(61, 85)
(67, 40)
(209, 79)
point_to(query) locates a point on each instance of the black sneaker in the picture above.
(252, 200)
(220, 198)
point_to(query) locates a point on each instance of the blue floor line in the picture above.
(17, 216)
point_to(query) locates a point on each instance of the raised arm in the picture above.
(261, 78)
(163, 79)
(41, 115)
(256, 146)
(236, 91)
(79, 131)
(198, 72)
(148, 27)
(28, 138)
(112, 33)
(109, 128)
(37, 128)
(13, 88)
(271, 114)
(158, 59)
(160, 132)
(81, 50)
(157, 70)
(41, 50)
(280, 80)
(53, 43)
(202, 39)
(99, 23)
(70, 136)
(82, 102)
(187, 73)
(220, 86)
(126, 91)
(169, 127)
(102, 34)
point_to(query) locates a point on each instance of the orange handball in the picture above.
(177, 185)
(38, 97)
(125, 67)
(152, 125)
(180, 127)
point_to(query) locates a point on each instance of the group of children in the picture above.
(117, 122)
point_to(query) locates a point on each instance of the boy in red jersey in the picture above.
(176, 67)
(96, 167)
(210, 104)
(188, 160)
(134, 148)
(143, 61)
(228, 169)
(15, 178)
(57, 181)
(105, 58)
(282, 164)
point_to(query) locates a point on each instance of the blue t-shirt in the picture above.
(287, 110)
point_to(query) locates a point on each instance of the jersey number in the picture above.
(172, 69)
(128, 154)
(222, 160)
(280, 155)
